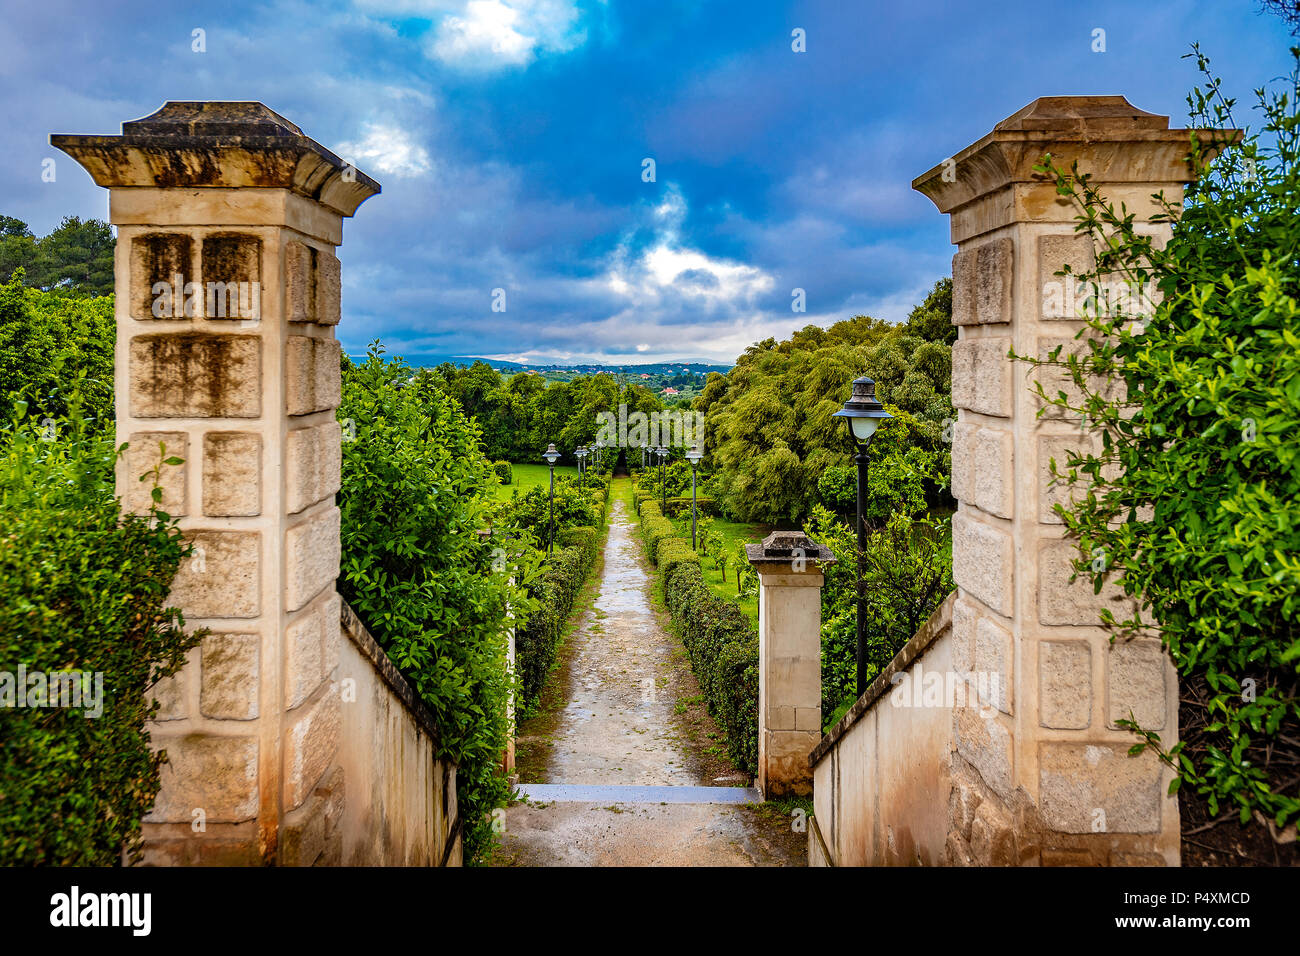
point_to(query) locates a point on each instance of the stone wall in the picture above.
(228, 292)
(1038, 772)
(1047, 778)
(882, 775)
(399, 806)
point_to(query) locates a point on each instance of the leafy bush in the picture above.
(654, 528)
(1190, 497)
(505, 473)
(82, 588)
(908, 573)
(723, 648)
(54, 347)
(682, 506)
(574, 507)
(554, 591)
(414, 568)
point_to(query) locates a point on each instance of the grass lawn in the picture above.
(732, 532)
(532, 476)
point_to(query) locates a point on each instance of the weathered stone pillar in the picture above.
(1047, 778)
(790, 578)
(227, 295)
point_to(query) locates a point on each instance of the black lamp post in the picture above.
(551, 455)
(693, 456)
(581, 452)
(600, 456)
(864, 415)
(643, 451)
(662, 452)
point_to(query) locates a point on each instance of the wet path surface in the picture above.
(618, 726)
(617, 738)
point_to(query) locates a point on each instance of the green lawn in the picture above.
(532, 476)
(732, 532)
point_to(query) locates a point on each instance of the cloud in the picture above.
(666, 269)
(387, 149)
(489, 34)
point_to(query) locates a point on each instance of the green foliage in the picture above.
(907, 569)
(433, 594)
(654, 527)
(1189, 498)
(723, 648)
(769, 427)
(75, 259)
(554, 592)
(505, 474)
(682, 506)
(577, 504)
(82, 588)
(676, 477)
(53, 347)
(520, 415)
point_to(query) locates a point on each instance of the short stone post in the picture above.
(1043, 776)
(789, 567)
(227, 297)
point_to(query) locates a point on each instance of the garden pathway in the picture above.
(625, 781)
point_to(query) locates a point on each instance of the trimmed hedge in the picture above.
(505, 472)
(537, 641)
(723, 647)
(721, 642)
(654, 528)
(703, 506)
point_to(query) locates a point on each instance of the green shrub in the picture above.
(432, 592)
(723, 648)
(505, 473)
(52, 347)
(654, 528)
(573, 506)
(672, 550)
(908, 571)
(555, 590)
(682, 506)
(82, 588)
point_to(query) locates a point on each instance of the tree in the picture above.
(75, 257)
(769, 425)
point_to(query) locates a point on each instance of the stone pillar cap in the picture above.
(1096, 128)
(779, 547)
(223, 144)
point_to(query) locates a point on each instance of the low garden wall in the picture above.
(398, 798)
(893, 745)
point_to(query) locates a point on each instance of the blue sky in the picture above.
(510, 139)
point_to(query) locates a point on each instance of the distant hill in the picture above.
(692, 366)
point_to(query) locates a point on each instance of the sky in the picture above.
(511, 138)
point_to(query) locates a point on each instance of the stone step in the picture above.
(631, 793)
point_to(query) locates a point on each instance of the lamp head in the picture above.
(863, 411)
(551, 454)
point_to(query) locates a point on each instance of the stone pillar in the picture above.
(1047, 778)
(227, 296)
(789, 659)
